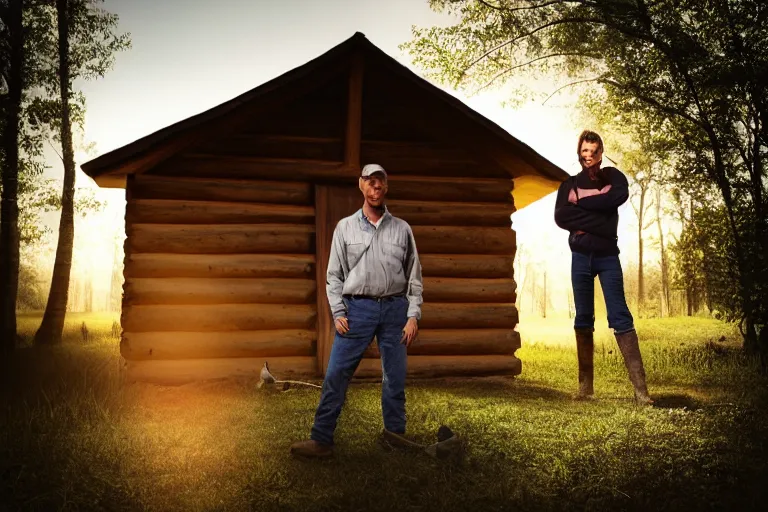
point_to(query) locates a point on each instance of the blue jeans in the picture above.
(367, 318)
(584, 268)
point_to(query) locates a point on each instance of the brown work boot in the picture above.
(393, 440)
(630, 349)
(312, 449)
(585, 350)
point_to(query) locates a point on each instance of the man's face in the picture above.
(374, 189)
(590, 154)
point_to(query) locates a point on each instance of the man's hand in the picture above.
(342, 326)
(410, 331)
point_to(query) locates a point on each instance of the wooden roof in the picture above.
(540, 177)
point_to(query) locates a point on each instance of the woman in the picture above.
(587, 207)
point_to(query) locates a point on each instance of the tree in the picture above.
(663, 264)
(12, 52)
(36, 103)
(697, 69)
(641, 184)
(52, 327)
(688, 263)
(90, 28)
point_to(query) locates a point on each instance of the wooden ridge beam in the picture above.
(354, 115)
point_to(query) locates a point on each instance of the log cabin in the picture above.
(230, 214)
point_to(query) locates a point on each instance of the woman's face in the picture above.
(590, 153)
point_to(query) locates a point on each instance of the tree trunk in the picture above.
(689, 299)
(760, 315)
(9, 207)
(751, 342)
(689, 285)
(53, 320)
(763, 344)
(640, 282)
(664, 269)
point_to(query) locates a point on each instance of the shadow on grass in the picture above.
(491, 388)
(676, 401)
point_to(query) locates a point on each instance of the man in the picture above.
(587, 206)
(374, 288)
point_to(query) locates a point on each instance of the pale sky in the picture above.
(190, 55)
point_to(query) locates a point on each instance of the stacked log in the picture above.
(220, 263)
(218, 273)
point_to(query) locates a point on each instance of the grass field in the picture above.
(74, 437)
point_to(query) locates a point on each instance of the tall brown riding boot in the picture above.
(630, 349)
(585, 350)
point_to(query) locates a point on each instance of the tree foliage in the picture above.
(93, 42)
(696, 70)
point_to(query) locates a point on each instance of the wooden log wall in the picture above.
(220, 264)
(466, 245)
(223, 267)
(217, 269)
(458, 203)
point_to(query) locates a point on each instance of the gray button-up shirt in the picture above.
(376, 261)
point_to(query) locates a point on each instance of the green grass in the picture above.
(74, 437)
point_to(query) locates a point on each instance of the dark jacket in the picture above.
(597, 216)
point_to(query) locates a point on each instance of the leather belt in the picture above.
(377, 299)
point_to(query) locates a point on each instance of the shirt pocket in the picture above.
(354, 252)
(395, 249)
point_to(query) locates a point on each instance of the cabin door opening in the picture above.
(332, 203)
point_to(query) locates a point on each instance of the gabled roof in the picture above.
(114, 161)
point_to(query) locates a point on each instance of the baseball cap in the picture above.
(370, 169)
